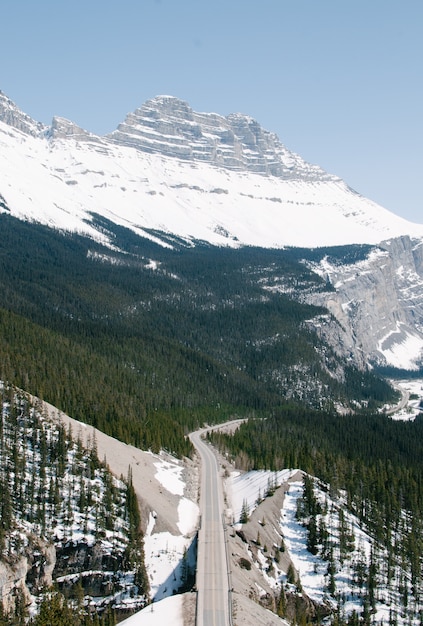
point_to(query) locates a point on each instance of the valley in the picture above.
(184, 272)
(262, 549)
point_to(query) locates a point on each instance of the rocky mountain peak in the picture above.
(200, 176)
(61, 128)
(170, 106)
(10, 114)
(169, 126)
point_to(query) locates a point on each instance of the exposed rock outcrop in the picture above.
(378, 303)
(169, 126)
(13, 116)
(62, 128)
(31, 572)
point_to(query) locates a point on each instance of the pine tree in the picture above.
(281, 605)
(312, 535)
(331, 571)
(243, 518)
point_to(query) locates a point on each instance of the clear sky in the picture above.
(339, 81)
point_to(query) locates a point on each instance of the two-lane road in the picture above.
(212, 571)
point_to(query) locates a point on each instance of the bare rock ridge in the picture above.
(62, 128)
(13, 116)
(169, 126)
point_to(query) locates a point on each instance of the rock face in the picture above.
(31, 572)
(13, 116)
(169, 126)
(62, 128)
(226, 181)
(378, 302)
(199, 176)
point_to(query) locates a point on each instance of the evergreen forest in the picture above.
(147, 342)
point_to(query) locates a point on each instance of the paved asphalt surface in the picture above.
(212, 572)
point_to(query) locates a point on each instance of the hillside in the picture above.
(353, 532)
(65, 521)
(150, 342)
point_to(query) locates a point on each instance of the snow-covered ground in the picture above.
(248, 489)
(401, 348)
(168, 611)
(349, 596)
(168, 555)
(313, 569)
(167, 492)
(164, 480)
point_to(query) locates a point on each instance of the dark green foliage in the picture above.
(243, 518)
(147, 355)
(337, 255)
(55, 610)
(134, 554)
(291, 575)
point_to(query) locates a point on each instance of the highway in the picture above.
(212, 571)
(405, 397)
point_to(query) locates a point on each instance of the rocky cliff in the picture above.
(378, 302)
(11, 115)
(29, 573)
(168, 126)
(168, 169)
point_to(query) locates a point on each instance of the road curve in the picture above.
(405, 397)
(212, 572)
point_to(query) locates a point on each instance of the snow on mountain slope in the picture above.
(199, 176)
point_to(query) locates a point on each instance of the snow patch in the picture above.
(401, 348)
(188, 513)
(167, 611)
(169, 475)
(251, 487)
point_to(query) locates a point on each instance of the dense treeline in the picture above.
(373, 457)
(380, 576)
(150, 343)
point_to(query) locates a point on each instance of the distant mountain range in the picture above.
(199, 176)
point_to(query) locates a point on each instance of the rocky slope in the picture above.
(378, 302)
(65, 520)
(168, 126)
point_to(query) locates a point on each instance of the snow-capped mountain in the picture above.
(169, 171)
(200, 176)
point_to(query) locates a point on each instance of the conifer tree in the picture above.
(243, 518)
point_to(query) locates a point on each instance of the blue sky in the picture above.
(339, 81)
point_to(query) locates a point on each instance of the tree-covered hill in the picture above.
(66, 522)
(146, 342)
